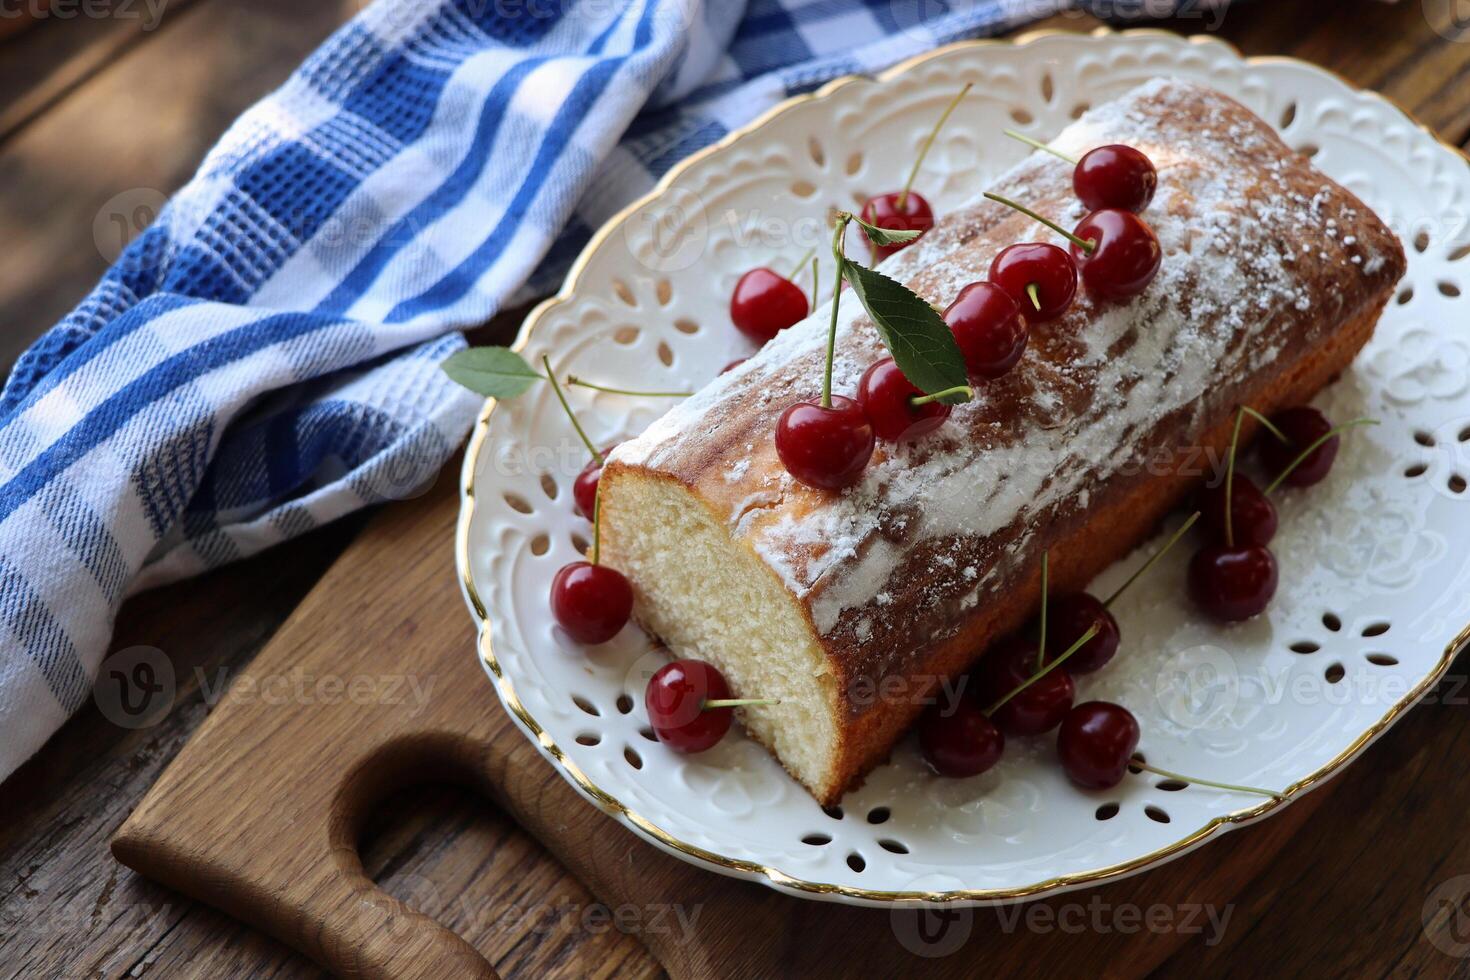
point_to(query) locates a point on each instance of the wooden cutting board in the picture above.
(260, 813)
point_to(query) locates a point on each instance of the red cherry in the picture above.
(1068, 617)
(1046, 267)
(1252, 515)
(1115, 176)
(989, 329)
(733, 365)
(765, 303)
(887, 397)
(1302, 426)
(825, 448)
(1232, 584)
(958, 740)
(584, 487)
(1095, 743)
(1125, 257)
(1040, 707)
(591, 602)
(884, 212)
(675, 699)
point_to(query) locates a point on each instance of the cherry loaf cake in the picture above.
(850, 608)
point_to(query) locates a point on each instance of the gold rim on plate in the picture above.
(775, 876)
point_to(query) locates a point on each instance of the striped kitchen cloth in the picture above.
(263, 358)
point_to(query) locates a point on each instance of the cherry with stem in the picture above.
(589, 600)
(1111, 176)
(826, 445)
(1232, 582)
(689, 705)
(1042, 671)
(906, 209)
(1316, 444)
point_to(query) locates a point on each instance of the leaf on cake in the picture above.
(914, 333)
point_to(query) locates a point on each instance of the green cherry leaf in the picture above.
(914, 333)
(886, 236)
(495, 372)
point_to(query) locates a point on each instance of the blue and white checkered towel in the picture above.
(264, 357)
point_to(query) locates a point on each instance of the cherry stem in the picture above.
(797, 269)
(1158, 771)
(839, 232)
(1041, 642)
(1081, 642)
(597, 523)
(903, 195)
(965, 390)
(736, 702)
(1269, 425)
(1036, 144)
(815, 283)
(1088, 246)
(1230, 478)
(1143, 569)
(574, 381)
(1034, 294)
(551, 376)
(1316, 444)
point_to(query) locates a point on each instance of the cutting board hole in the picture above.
(1424, 439)
(816, 840)
(625, 704)
(589, 739)
(1171, 785)
(1417, 470)
(586, 705)
(518, 503)
(1456, 483)
(892, 846)
(1334, 673)
(1375, 629)
(625, 293)
(1156, 814)
(631, 757)
(1080, 109)
(1309, 150)
(686, 326)
(1450, 289)
(855, 861)
(647, 733)
(879, 815)
(1106, 812)
(1303, 646)
(1383, 660)
(835, 812)
(818, 154)
(1405, 294)
(1421, 241)
(1135, 769)
(540, 545)
(665, 354)
(664, 291)
(625, 335)
(1288, 115)
(1331, 621)
(1022, 117)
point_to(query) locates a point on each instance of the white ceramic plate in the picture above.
(1375, 588)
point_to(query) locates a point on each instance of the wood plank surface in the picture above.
(1346, 894)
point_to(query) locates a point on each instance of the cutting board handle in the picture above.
(370, 686)
(293, 868)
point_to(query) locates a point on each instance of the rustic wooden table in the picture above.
(106, 109)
